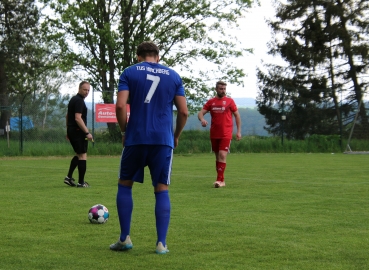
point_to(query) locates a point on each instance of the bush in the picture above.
(53, 142)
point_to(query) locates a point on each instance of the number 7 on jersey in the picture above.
(155, 81)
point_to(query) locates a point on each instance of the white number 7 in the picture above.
(155, 81)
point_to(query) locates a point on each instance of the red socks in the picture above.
(220, 167)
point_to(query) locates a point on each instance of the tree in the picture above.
(18, 24)
(45, 104)
(325, 46)
(100, 38)
(28, 65)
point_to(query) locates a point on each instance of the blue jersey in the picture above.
(152, 88)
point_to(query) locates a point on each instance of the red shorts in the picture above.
(220, 145)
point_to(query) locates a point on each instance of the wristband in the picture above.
(87, 133)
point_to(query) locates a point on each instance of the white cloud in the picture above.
(254, 34)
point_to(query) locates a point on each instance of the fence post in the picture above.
(21, 123)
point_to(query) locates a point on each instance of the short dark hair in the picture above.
(82, 83)
(147, 48)
(220, 83)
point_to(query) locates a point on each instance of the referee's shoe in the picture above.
(85, 184)
(69, 181)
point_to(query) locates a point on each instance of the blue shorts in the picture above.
(136, 157)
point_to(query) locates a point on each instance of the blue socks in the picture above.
(124, 207)
(162, 214)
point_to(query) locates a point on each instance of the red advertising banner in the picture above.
(106, 113)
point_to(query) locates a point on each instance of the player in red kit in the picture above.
(221, 109)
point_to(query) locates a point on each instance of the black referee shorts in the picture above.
(77, 139)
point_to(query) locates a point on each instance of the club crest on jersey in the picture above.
(224, 102)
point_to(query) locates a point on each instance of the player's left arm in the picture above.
(238, 124)
(121, 111)
(182, 115)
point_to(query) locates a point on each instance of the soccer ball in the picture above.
(98, 214)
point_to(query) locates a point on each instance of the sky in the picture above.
(254, 34)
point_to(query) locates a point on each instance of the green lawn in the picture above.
(278, 211)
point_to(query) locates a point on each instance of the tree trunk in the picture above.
(46, 107)
(352, 74)
(4, 102)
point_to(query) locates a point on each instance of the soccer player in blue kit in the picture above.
(148, 138)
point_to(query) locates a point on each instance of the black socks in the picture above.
(81, 171)
(72, 166)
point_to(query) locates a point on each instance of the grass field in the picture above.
(278, 211)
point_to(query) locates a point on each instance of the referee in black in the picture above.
(78, 135)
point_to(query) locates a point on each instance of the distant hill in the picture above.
(240, 102)
(252, 121)
(245, 102)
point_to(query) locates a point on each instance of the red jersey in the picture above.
(221, 110)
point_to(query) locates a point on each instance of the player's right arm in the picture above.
(82, 126)
(182, 115)
(201, 118)
(66, 124)
(121, 110)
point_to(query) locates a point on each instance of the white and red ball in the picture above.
(98, 214)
